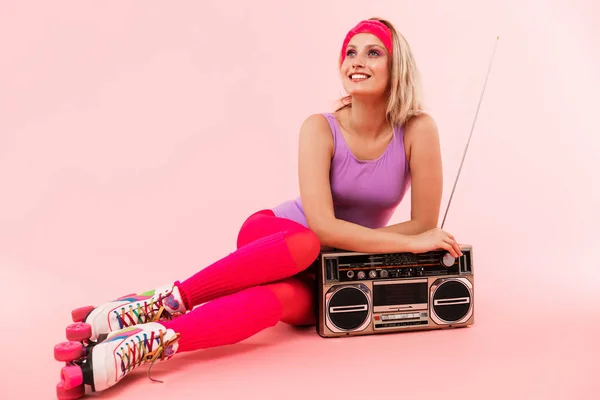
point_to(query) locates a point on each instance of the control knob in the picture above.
(448, 260)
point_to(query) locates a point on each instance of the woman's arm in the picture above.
(314, 160)
(423, 152)
(410, 227)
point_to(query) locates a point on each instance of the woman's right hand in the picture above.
(434, 239)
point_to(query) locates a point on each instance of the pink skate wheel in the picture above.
(79, 331)
(79, 314)
(71, 376)
(69, 394)
(68, 351)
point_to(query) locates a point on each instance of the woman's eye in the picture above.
(370, 53)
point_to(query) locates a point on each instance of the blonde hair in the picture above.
(405, 96)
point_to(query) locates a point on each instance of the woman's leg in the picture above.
(234, 318)
(251, 290)
(228, 319)
(297, 298)
(260, 224)
(270, 249)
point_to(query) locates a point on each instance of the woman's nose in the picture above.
(358, 62)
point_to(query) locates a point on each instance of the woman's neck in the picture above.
(368, 119)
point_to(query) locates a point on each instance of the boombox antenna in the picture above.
(471, 134)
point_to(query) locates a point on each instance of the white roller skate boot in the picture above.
(155, 305)
(101, 365)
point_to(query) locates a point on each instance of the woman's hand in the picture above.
(434, 239)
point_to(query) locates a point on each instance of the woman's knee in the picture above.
(302, 243)
(304, 247)
(254, 227)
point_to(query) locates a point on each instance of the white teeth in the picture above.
(359, 76)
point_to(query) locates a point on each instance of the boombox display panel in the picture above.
(372, 293)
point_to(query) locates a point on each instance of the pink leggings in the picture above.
(261, 283)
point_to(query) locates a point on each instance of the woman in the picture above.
(355, 166)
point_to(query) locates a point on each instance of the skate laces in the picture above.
(152, 347)
(151, 310)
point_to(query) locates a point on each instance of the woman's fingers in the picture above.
(446, 245)
(458, 250)
(454, 247)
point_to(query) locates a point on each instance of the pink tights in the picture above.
(261, 283)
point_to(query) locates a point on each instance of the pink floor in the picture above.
(536, 337)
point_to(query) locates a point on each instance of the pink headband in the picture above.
(373, 27)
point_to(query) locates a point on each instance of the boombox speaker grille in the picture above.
(452, 300)
(348, 308)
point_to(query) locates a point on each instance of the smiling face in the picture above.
(365, 70)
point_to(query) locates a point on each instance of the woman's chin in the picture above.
(366, 93)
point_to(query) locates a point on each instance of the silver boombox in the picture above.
(370, 293)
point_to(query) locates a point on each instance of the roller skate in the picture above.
(102, 364)
(155, 305)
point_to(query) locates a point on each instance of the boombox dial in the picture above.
(448, 260)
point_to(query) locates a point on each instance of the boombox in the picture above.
(372, 293)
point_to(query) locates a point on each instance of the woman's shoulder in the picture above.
(318, 119)
(316, 133)
(422, 122)
(317, 125)
(421, 131)
(420, 126)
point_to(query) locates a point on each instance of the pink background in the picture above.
(119, 121)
